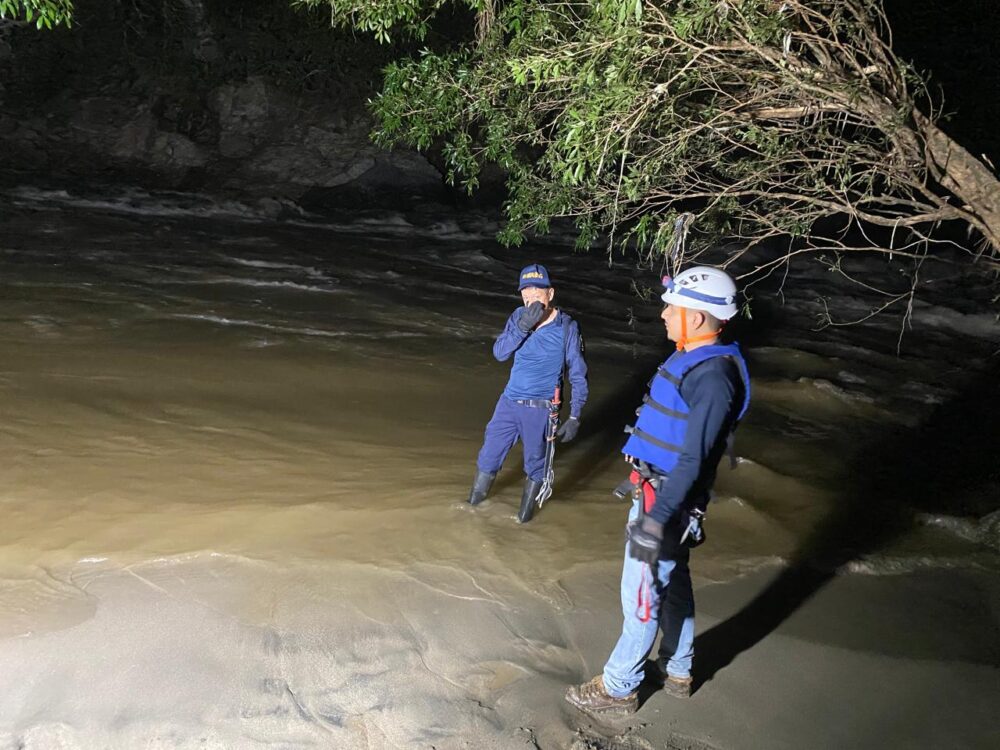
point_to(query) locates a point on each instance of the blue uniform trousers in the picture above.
(511, 421)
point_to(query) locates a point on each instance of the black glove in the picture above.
(569, 429)
(644, 540)
(531, 316)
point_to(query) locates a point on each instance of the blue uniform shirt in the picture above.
(538, 360)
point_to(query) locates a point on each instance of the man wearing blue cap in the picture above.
(695, 401)
(542, 339)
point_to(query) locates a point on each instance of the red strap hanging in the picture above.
(644, 598)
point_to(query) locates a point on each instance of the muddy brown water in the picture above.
(271, 429)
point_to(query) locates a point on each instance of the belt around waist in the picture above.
(534, 403)
(646, 470)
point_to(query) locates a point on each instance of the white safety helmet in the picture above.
(702, 288)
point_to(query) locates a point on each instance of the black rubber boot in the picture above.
(481, 487)
(528, 499)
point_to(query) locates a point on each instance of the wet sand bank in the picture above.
(216, 651)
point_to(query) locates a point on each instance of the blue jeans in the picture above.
(671, 600)
(511, 421)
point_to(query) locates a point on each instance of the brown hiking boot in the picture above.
(593, 698)
(679, 687)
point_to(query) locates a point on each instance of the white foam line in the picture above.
(257, 324)
(309, 270)
(238, 322)
(260, 284)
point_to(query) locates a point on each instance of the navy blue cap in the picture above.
(534, 275)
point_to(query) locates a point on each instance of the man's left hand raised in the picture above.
(531, 316)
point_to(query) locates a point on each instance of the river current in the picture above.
(253, 415)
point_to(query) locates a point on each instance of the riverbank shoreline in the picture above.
(216, 651)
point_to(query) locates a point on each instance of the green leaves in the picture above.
(757, 116)
(43, 13)
(382, 18)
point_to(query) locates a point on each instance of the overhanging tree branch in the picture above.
(760, 117)
(44, 14)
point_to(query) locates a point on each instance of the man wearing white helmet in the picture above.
(695, 401)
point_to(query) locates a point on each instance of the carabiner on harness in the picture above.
(549, 476)
(694, 534)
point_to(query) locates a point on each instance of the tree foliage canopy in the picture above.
(754, 118)
(43, 13)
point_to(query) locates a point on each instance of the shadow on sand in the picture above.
(947, 464)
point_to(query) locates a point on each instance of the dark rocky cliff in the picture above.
(257, 99)
(251, 98)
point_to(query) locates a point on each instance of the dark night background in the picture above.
(162, 71)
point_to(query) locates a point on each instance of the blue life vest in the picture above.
(658, 435)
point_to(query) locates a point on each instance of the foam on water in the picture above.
(297, 331)
(985, 325)
(985, 530)
(171, 204)
(141, 203)
(314, 273)
(262, 284)
(892, 565)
